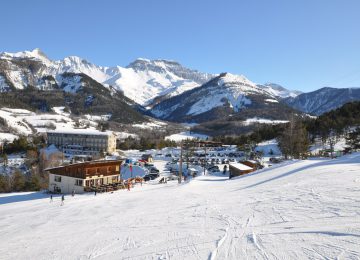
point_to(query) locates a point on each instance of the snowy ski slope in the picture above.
(297, 210)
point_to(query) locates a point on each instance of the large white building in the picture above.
(82, 141)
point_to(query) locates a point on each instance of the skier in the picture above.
(62, 200)
(73, 193)
(225, 169)
(51, 199)
(95, 193)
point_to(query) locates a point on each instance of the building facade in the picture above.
(80, 176)
(82, 141)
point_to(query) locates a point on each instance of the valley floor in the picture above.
(298, 210)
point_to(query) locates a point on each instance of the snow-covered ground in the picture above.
(185, 135)
(154, 124)
(22, 121)
(257, 120)
(318, 146)
(296, 210)
(269, 148)
(6, 137)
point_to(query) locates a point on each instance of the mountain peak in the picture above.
(147, 64)
(38, 53)
(228, 78)
(34, 54)
(74, 59)
(279, 91)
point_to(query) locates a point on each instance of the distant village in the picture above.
(116, 171)
(84, 160)
(78, 160)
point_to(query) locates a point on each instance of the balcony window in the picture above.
(79, 182)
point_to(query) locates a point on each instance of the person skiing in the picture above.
(51, 198)
(95, 193)
(73, 193)
(225, 169)
(62, 200)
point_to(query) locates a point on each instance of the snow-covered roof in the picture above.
(252, 161)
(241, 166)
(81, 131)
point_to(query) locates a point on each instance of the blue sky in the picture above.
(300, 44)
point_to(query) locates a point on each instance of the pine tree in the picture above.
(294, 140)
(353, 139)
(18, 181)
(5, 159)
(4, 183)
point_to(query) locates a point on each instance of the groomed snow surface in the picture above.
(296, 210)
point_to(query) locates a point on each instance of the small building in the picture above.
(82, 176)
(237, 169)
(147, 158)
(253, 164)
(192, 172)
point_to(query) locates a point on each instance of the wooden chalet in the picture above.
(251, 163)
(84, 176)
(237, 169)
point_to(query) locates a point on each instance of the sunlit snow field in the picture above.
(306, 209)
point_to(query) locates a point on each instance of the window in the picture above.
(79, 182)
(58, 178)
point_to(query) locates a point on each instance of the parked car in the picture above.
(154, 170)
(150, 176)
(275, 160)
(213, 168)
(173, 177)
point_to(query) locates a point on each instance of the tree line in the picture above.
(295, 136)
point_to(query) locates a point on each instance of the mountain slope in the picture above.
(279, 91)
(78, 92)
(323, 100)
(224, 97)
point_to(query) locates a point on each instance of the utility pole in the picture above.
(180, 162)
(205, 159)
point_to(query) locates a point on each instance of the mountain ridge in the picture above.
(323, 100)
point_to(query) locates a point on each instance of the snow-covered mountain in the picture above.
(323, 100)
(222, 97)
(279, 91)
(142, 81)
